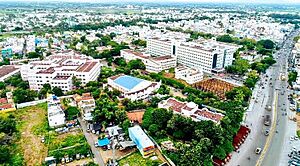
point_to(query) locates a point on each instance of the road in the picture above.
(97, 156)
(274, 148)
(265, 94)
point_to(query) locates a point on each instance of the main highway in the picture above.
(272, 91)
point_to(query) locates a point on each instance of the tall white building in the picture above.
(203, 55)
(160, 47)
(58, 70)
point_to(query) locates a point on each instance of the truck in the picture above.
(267, 120)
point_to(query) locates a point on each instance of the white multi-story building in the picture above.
(58, 70)
(153, 64)
(204, 55)
(187, 74)
(160, 47)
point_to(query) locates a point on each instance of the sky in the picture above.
(189, 1)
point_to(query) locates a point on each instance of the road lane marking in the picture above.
(269, 138)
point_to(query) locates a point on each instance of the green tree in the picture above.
(76, 82)
(239, 66)
(267, 44)
(2, 85)
(5, 154)
(136, 64)
(57, 91)
(23, 95)
(72, 112)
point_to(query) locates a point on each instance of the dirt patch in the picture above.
(216, 86)
(33, 149)
(169, 75)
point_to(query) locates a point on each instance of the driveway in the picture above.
(97, 156)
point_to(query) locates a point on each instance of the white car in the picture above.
(292, 138)
(258, 150)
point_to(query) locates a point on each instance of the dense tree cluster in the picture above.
(240, 66)
(22, 93)
(7, 130)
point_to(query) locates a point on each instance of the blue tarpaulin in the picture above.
(103, 142)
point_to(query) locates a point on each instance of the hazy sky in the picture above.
(157, 1)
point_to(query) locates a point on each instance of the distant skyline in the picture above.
(168, 1)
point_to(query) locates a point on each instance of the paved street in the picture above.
(275, 147)
(97, 156)
(265, 94)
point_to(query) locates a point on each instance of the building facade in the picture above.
(58, 70)
(142, 141)
(153, 64)
(131, 87)
(203, 55)
(189, 75)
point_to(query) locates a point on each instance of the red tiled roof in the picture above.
(50, 70)
(209, 115)
(139, 54)
(6, 106)
(4, 70)
(175, 105)
(136, 115)
(86, 67)
(161, 58)
(204, 112)
(3, 100)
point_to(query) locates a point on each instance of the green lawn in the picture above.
(136, 159)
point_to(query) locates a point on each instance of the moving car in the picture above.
(258, 150)
(267, 120)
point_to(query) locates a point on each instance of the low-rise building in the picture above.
(142, 141)
(86, 104)
(56, 115)
(153, 64)
(7, 104)
(187, 74)
(191, 109)
(131, 87)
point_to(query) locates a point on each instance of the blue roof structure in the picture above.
(128, 82)
(139, 137)
(103, 142)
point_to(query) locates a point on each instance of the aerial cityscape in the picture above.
(150, 83)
